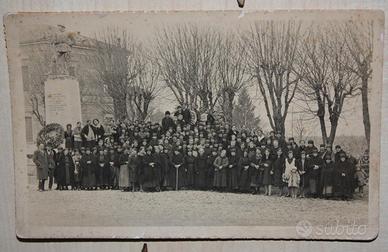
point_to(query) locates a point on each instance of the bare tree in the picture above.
(145, 86)
(186, 56)
(231, 71)
(324, 62)
(116, 65)
(271, 52)
(359, 40)
(301, 130)
(38, 71)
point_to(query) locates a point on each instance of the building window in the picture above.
(29, 134)
(72, 71)
(26, 78)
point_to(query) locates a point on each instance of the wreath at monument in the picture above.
(51, 135)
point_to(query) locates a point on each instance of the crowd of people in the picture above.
(182, 154)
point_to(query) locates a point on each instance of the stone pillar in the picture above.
(62, 100)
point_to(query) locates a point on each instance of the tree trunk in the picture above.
(120, 107)
(205, 102)
(323, 129)
(131, 107)
(365, 110)
(142, 116)
(230, 108)
(321, 116)
(333, 130)
(144, 113)
(279, 124)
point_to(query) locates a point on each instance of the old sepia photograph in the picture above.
(199, 125)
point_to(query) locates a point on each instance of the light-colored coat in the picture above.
(41, 162)
(291, 174)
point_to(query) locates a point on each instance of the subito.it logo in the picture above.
(304, 228)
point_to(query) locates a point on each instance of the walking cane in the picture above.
(177, 178)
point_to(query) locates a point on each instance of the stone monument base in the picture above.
(62, 100)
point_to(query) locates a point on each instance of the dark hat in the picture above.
(337, 147)
(310, 141)
(321, 145)
(327, 157)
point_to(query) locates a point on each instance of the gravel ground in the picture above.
(115, 208)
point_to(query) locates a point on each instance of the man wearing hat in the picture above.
(338, 151)
(177, 161)
(302, 165)
(309, 148)
(314, 172)
(232, 171)
(51, 161)
(40, 160)
(167, 122)
(342, 178)
(201, 169)
(88, 163)
(322, 151)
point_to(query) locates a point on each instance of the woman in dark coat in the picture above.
(232, 171)
(302, 165)
(189, 168)
(267, 172)
(210, 169)
(115, 159)
(158, 166)
(100, 167)
(113, 156)
(124, 171)
(327, 177)
(244, 179)
(88, 164)
(133, 165)
(148, 175)
(278, 167)
(70, 167)
(201, 170)
(220, 165)
(314, 172)
(106, 171)
(343, 179)
(59, 172)
(168, 171)
(140, 169)
(255, 172)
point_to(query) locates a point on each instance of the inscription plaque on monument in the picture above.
(63, 103)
